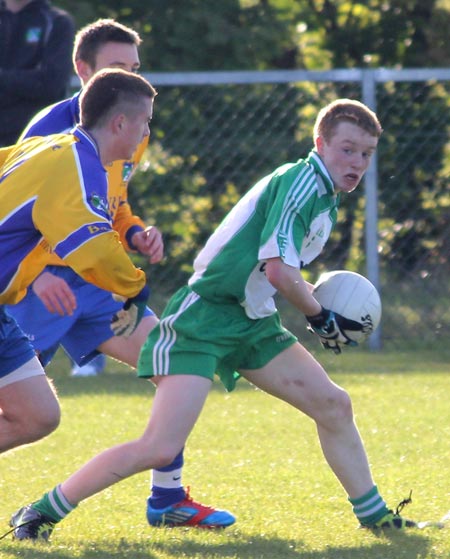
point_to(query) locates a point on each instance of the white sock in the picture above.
(167, 480)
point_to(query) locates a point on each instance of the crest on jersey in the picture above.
(127, 169)
(99, 203)
(33, 35)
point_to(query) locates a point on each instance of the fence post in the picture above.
(371, 206)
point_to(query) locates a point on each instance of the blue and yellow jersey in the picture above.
(62, 118)
(53, 198)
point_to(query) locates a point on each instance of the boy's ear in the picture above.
(319, 144)
(84, 71)
(118, 122)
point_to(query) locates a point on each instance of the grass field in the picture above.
(254, 456)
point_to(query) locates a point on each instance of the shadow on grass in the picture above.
(121, 383)
(408, 546)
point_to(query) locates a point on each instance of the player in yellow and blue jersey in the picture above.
(61, 308)
(40, 215)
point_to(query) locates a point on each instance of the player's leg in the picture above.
(127, 350)
(97, 308)
(297, 378)
(29, 409)
(176, 406)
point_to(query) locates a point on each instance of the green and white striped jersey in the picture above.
(288, 214)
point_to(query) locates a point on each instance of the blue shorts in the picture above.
(15, 348)
(80, 333)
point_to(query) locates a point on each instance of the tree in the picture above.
(198, 153)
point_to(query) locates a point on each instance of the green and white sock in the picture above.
(370, 507)
(54, 505)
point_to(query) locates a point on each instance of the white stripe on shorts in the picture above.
(31, 368)
(168, 337)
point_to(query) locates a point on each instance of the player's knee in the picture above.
(33, 426)
(50, 421)
(336, 408)
(45, 421)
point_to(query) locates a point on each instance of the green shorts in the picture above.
(198, 337)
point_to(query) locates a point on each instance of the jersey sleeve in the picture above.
(126, 224)
(119, 176)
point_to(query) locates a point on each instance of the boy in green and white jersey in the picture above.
(225, 321)
(289, 214)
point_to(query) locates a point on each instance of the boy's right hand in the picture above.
(330, 327)
(55, 294)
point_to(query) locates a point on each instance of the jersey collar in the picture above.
(315, 160)
(85, 138)
(75, 107)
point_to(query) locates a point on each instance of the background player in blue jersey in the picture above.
(62, 308)
(227, 323)
(116, 109)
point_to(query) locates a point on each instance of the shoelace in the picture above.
(403, 504)
(15, 528)
(191, 500)
(7, 533)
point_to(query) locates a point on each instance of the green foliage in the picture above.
(265, 466)
(413, 219)
(187, 35)
(210, 143)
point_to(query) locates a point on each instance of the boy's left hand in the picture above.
(125, 321)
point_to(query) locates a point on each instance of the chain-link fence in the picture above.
(214, 135)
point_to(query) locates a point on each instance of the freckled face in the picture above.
(347, 155)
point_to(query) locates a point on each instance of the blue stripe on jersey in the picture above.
(80, 236)
(17, 240)
(18, 220)
(86, 137)
(59, 118)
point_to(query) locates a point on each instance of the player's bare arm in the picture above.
(289, 282)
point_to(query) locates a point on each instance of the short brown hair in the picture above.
(93, 36)
(112, 90)
(346, 110)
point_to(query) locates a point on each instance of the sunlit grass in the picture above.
(254, 456)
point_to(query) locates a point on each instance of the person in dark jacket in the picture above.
(36, 42)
